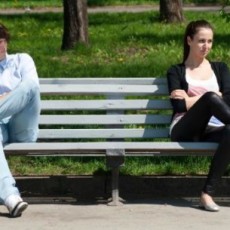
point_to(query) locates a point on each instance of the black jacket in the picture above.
(176, 80)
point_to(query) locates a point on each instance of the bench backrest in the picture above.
(104, 108)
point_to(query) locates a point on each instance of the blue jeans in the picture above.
(22, 107)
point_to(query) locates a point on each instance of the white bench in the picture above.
(111, 117)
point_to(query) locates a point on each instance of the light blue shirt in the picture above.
(14, 69)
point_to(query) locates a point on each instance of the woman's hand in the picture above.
(178, 94)
(181, 94)
(189, 101)
(218, 93)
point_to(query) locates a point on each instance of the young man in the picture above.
(19, 112)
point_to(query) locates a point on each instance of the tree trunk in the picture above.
(171, 11)
(75, 23)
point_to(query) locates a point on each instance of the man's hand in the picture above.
(3, 95)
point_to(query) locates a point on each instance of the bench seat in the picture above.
(100, 148)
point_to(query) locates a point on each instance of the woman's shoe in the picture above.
(212, 207)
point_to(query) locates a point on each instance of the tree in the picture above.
(225, 12)
(171, 11)
(75, 23)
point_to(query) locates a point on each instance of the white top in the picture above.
(199, 87)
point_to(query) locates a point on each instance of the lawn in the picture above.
(121, 45)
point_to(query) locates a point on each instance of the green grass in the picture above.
(137, 166)
(56, 165)
(27, 3)
(166, 166)
(121, 45)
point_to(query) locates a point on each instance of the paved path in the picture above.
(134, 9)
(161, 214)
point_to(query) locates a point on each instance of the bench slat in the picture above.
(103, 119)
(131, 148)
(107, 80)
(104, 105)
(102, 133)
(103, 89)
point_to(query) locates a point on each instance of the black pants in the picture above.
(192, 127)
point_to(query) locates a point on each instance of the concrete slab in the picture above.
(157, 214)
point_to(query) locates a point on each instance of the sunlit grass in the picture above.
(137, 166)
(120, 44)
(29, 3)
(56, 165)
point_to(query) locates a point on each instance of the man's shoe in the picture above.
(15, 205)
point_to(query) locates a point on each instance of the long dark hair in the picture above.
(191, 29)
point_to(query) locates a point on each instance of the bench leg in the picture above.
(116, 200)
(114, 159)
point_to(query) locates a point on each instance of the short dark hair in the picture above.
(191, 30)
(4, 33)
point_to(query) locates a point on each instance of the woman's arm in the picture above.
(174, 78)
(179, 94)
(181, 101)
(224, 79)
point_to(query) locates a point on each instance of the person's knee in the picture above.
(27, 135)
(211, 96)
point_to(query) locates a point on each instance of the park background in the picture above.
(121, 44)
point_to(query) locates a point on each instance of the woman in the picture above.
(19, 112)
(200, 95)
